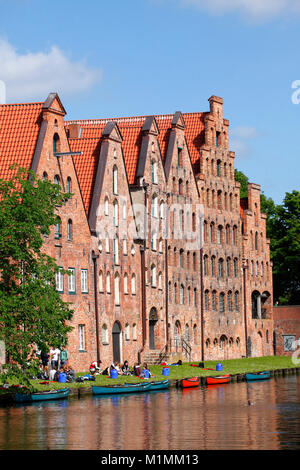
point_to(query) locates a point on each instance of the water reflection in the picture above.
(213, 417)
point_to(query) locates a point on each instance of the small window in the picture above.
(70, 229)
(115, 180)
(57, 230)
(84, 281)
(81, 334)
(56, 143)
(71, 281)
(59, 277)
(69, 185)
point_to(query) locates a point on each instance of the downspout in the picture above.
(245, 309)
(202, 303)
(94, 258)
(143, 279)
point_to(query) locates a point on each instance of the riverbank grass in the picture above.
(230, 366)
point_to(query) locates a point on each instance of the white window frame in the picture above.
(72, 281)
(81, 335)
(84, 281)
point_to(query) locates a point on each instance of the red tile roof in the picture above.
(131, 130)
(19, 129)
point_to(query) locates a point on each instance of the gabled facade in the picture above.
(172, 278)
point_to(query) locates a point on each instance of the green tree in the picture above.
(242, 178)
(285, 243)
(32, 313)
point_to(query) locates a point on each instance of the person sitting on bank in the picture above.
(125, 368)
(137, 369)
(114, 365)
(95, 367)
(71, 376)
(146, 371)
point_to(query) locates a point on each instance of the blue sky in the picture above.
(111, 59)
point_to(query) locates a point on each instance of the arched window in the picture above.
(194, 262)
(160, 280)
(236, 301)
(125, 283)
(117, 289)
(189, 296)
(228, 267)
(154, 241)
(104, 334)
(219, 233)
(69, 185)
(222, 302)
(115, 179)
(45, 176)
(134, 332)
(133, 285)
(181, 295)
(154, 206)
(161, 210)
(212, 232)
(57, 180)
(220, 267)
(206, 300)
(70, 229)
(212, 266)
(235, 267)
(195, 297)
(229, 301)
(106, 210)
(175, 293)
(181, 258)
(108, 283)
(116, 250)
(127, 332)
(115, 213)
(213, 301)
(153, 275)
(56, 146)
(180, 187)
(100, 281)
(205, 265)
(57, 229)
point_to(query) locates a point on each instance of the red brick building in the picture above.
(191, 275)
(286, 330)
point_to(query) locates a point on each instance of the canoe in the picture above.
(161, 385)
(42, 396)
(259, 376)
(219, 379)
(124, 388)
(188, 383)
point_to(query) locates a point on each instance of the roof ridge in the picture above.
(22, 104)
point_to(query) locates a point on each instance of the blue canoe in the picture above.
(161, 385)
(42, 396)
(125, 388)
(259, 376)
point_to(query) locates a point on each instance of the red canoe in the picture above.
(219, 379)
(193, 382)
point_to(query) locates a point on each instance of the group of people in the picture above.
(55, 365)
(137, 370)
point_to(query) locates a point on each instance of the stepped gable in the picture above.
(19, 130)
(88, 141)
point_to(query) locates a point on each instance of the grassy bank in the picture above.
(233, 366)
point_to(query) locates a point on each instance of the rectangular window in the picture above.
(59, 277)
(71, 280)
(84, 280)
(81, 333)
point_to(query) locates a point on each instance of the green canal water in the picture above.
(214, 417)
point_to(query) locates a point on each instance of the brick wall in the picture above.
(286, 329)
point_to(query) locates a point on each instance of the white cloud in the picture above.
(240, 140)
(260, 10)
(33, 76)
